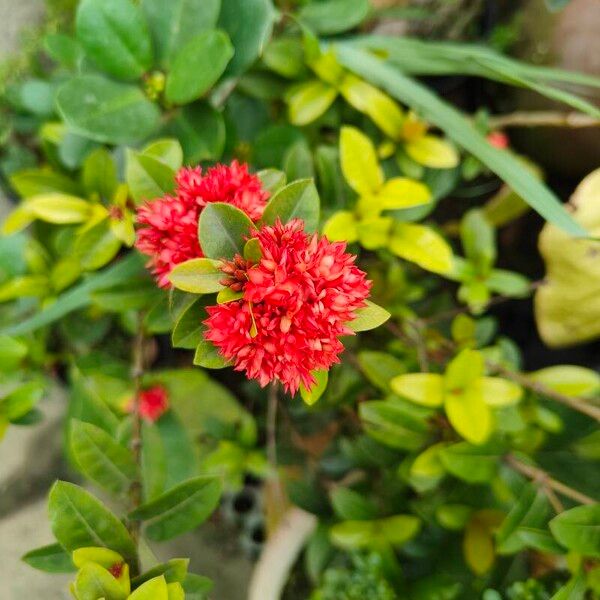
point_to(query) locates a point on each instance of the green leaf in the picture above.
(51, 559)
(198, 276)
(154, 589)
(334, 16)
(147, 177)
(94, 581)
(36, 182)
(197, 587)
(223, 230)
(60, 209)
(207, 54)
(311, 396)
(285, 56)
(297, 200)
(96, 246)
(12, 351)
(99, 174)
(106, 111)
(252, 250)
(272, 180)
(101, 458)
(499, 392)
(380, 368)
(309, 100)
(469, 414)
(79, 520)
(402, 192)
(426, 389)
(115, 35)
(63, 49)
(249, 24)
(181, 509)
(21, 401)
(539, 539)
(433, 152)
(473, 464)
(167, 151)
(578, 529)
(174, 570)
(478, 240)
(370, 317)
(430, 107)
(570, 380)
(351, 506)
(201, 131)
(574, 589)
(187, 332)
(341, 226)
(422, 245)
(396, 530)
(174, 23)
(208, 356)
(391, 424)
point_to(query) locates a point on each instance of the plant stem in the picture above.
(272, 401)
(543, 119)
(578, 404)
(537, 474)
(135, 490)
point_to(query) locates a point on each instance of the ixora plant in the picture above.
(227, 184)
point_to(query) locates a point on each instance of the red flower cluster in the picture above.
(169, 225)
(153, 403)
(296, 304)
(498, 139)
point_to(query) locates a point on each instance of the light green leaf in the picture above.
(12, 351)
(426, 389)
(106, 111)
(341, 226)
(351, 505)
(298, 200)
(60, 209)
(474, 464)
(187, 331)
(153, 589)
(79, 520)
(359, 162)
(380, 368)
(115, 35)
(94, 581)
(312, 395)
(96, 246)
(99, 174)
(208, 356)
(309, 100)
(469, 414)
(167, 151)
(180, 509)
(578, 529)
(433, 152)
(334, 16)
(422, 245)
(370, 317)
(147, 177)
(206, 55)
(499, 392)
(51, 559)
(198, 276)
(21, 400)
(101, 458)
(571, 380)
(36, 182)
(223, 230)
(402, 192)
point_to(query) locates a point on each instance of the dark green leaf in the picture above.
(207, 356)
(115, 35)
(79, 520)
(578, 529)
(298, 200)
(106, 111)
(334, 16)
(51, 559)
(350, 505)
(206, 55)
(474, 464)
(181, 509)
(223, 230)
(197, 587)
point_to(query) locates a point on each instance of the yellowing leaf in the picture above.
(426, 389)
(359, 162)
(570, 380)
(427, 469)
(478, 543)
(374, 232)
(469, 414)
(465, 369)
(499, 392)
(432, 152)
(341, 226)
(61, 209)
(567, 306)
(198, 276)
(422, 245)
(308, 101)
(17, 220)
(364, 97)
(402, 192)
(153, 589)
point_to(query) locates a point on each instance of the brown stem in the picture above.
(578, 404)
(543, 119)
(537, 474)
(135, 490)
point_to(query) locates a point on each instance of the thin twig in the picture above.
(137, 371)
(537, 474)
(543, 119)
(272, 445)
(578, 404)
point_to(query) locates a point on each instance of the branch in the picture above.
(137, 371)
(573, 120)
(537, 474)
(278, 504)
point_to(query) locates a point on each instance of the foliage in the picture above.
(436, 465)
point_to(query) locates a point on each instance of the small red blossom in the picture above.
(498, 139)
(153, 403)
(168, 231)
(116, 569)
(297, 302)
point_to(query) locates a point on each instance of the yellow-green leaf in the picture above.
(364, 97)
(198, 276)
(154, 589)
(402, 192)
(359, 162)
(341, 226)
(17, 220)
(469, 414)
(61, 209)
(426, 389)
(432, 152)
(374, 232)
(570, 380)
(422, 245)
(427, 469)
(499, 392)
(464, 369)
(310, 396)
(309, 100)
(478, 543)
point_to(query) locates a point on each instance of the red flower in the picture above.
(295, 306)
(498, 139)
(153, 403)
(169, 225)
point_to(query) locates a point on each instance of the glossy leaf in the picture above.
(298, 200)
(334, 16)
(310, 396)
(208, 356)
(359, 162)
(309, 100)
(401, 192)
(474, 464)
(147, 177)
(51, 559)
(223, 230)
(432, 152)
(198, 276)
(578, 529)
(370, 317)
(426, 389)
